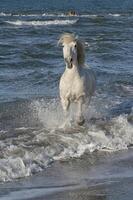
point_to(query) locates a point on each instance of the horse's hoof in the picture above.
(81, 122)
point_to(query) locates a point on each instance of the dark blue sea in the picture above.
(31, 64)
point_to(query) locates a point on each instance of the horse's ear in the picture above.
(76, 38)
(60, 41)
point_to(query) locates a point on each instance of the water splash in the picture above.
(30, 150)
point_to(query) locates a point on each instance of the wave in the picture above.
(5, 14)
(30, 15)
(89, 15)
(114, 15)
(29, 150)
(98, 15)
(41, 23)
(54, 15)
(26, 15)
(19, 15)
(66, 15)
(46, 15)
(57, 15)
(36, 15)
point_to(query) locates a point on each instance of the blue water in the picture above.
(82, 6)
(31, 65)
(30, 61)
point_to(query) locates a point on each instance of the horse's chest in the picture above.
(71, 88)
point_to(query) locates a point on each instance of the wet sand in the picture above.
(99, 176)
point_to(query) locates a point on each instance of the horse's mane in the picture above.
(68, 38)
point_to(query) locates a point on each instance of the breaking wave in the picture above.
(29, 150)
(5, 14)
(114, 15)
(41, 23)
(56, 15)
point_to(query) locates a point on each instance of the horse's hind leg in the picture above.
(80, 117)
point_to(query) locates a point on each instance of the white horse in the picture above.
(77, 83)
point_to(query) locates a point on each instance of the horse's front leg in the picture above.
(80, 117)
(65, 105)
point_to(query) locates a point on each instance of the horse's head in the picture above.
(70, 53)
(73, 50)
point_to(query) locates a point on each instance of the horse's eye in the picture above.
(75, 45)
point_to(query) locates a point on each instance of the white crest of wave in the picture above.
(26, 15)
(41, 23)
(5, 14)
(114, 15)
(49, 14)
(89, 15)
(13, 168)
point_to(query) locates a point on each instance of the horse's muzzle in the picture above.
(69, 63)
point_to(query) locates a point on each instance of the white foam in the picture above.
(57, 15)
(88, 15)
(66, 15)
(12, 168)
(49, 15)
(5, 14)
(41, 23)
(114, 15)
(19, 15)
(35, 149)
(26, 15)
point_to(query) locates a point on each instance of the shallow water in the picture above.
(31, 64)
(99, 176)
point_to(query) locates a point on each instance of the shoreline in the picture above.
(96, 176)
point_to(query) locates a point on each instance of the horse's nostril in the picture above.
(68, 60)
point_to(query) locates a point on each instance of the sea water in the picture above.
(31, 65)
